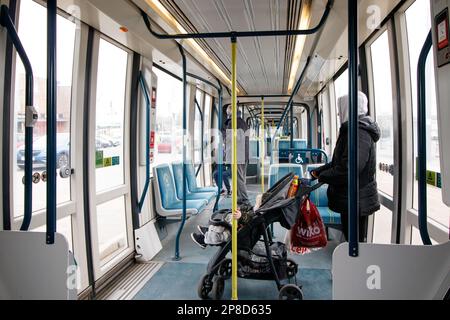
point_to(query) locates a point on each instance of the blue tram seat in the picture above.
(192, 182)
(278, 171)
(177, 169)
(167, 203)
(319, 197)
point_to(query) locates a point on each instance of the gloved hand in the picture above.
(314, 175)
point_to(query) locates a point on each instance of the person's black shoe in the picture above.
(199, 239)
(223, 192)
(229, 194)
(202, 230)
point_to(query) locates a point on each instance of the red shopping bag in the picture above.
(309, 231)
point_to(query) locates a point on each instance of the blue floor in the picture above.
(179, 280)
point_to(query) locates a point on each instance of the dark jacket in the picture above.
(335, 174)
(243, 140)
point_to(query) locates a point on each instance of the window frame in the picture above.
(98, 198)
(410, 217)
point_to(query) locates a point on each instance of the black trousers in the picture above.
(363, 227)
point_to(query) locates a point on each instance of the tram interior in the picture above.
(120, 142)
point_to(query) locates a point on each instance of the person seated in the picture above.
(216, 235)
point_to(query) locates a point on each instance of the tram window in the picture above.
(304, 126)
(112, 231)
(207, 126)
(32, 31)
(169, 119)
(340, 89)
(417, 33)
(382, 90)
(110, 116)
(198, 123)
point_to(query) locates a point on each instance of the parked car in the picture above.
(165, 144)
(62, 151)
(40, 152)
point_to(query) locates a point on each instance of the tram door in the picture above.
(109, 178)
(383, 108)
(32, 28)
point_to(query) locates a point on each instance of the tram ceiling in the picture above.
(265, 63)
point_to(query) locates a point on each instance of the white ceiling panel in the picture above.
(260, 60)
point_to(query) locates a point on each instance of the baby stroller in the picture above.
(259, 258)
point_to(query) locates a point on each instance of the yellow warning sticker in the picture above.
(107, 162)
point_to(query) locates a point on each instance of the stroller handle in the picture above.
(304, 191)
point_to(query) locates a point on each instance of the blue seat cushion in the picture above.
(196, 196)
(199, 205)
(207, 196)
(329, 217)
(206, 190)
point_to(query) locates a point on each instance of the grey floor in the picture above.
(178, 280)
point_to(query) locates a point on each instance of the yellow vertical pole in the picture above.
(234, 247)
(263, 146)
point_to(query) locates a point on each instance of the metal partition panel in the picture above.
(33, 270)
(391, 272)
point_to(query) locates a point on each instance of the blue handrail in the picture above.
(147, 138)
(51, 119)
(422, 140)
(6, 21)
(184, 202)
(353, 139)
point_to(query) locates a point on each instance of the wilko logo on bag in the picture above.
(309, 230)
(309, 233)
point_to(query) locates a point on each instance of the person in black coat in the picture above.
(335, 174)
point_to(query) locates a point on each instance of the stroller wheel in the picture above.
(204, 287)
(225, 269)
(292, 269)
(291, 292)
(218, 288)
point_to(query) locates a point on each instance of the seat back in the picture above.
(166, 185)
(191, 178)
(177, 169)
(278, 171)
(319, 197)
(284, 147)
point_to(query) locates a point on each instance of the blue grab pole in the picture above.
(184, 213)
(422, 140)
(147, 141)
(6, 21)
(353, 179)
(51, 119)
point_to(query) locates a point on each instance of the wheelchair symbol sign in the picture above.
(299, 159)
